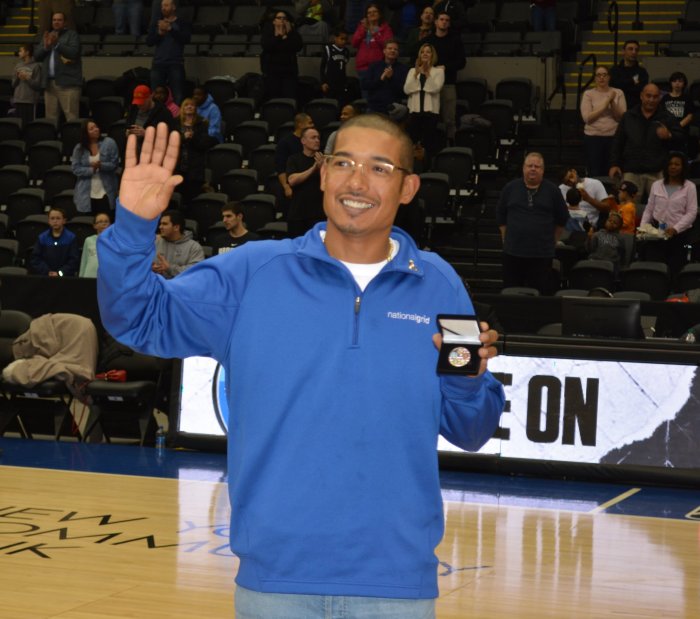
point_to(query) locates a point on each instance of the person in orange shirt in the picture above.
(626, 206)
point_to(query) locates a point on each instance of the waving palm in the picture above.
(148, 181)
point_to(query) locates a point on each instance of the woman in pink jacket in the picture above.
(672, 206)
(369, 39)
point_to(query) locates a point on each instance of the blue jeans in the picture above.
(172, 75)
(544, 19)
(254, 605)
(127, 12)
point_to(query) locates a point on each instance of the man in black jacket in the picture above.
(450, 53)
(629, 76)
(169, 35)
(642, 141)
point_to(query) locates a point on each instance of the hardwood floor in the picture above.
(76, 545)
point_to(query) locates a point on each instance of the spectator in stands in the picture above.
(629, 75)
(404, 16)
(162, 94)
(594, 196)
(312, 25)
(94, 162)
(176, 250)
(55, 252)
(236, 232)
(384, 80)
(127, 16)
(347, 112)
(544, 15)
(207, 109)
(626, 195)
(672, 207)
(47, 8)
(370, 39)
(62, 70)
(194, 143)
(601, 108)
(642, 140)
(334, 61)
(423, 85)
(26, 84)
(457, 12)
(169, 35)
(415, 36)
(289, 145)
(278, 61)
(145, 112)
(88, 259)
(303, 176)
(450, 52)
(577, 221)
(679, 103)
(606, 244)
(531, 216)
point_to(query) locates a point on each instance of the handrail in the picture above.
(580, 88)
(614, 26)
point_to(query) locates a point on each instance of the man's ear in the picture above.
(409, 188)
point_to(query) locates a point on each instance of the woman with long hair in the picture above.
(94, 161)
(673, 207)
(370, 36)
(423, 85)
(601, 108)
(194, 143)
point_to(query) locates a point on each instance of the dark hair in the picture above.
(176, 218)
(338, 30)
(29, 47)
(573, 196)
(629, 42)
(84, 137)
(684, 167)
(306, 130)
(96, 215)
(391, 42)
(58, 209)
(679, 75)
(374, 5)
(443, 12)
(235, 207)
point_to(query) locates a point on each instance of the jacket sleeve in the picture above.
(37, 261)
(146, 311)
(181, 31)
(109, 155)
(471, 409)
(435, 80)
(358, 36)
(35, 81)
(618, 145)
(80, 169)
(69, 45)
(72, 263)
(691, 211)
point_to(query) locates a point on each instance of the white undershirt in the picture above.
(365, 273)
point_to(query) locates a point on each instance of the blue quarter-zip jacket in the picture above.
(335, 404)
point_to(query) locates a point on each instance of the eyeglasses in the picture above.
(382, 170)
(602, 74)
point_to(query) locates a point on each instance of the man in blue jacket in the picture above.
(55, 252)
(329, 348)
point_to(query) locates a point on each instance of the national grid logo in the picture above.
(417, 318)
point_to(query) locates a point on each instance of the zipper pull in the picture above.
(357, 304)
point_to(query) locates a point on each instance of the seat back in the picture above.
(237, 184)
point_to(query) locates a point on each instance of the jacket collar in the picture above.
(407, 260)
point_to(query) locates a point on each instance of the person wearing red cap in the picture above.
(145, 112)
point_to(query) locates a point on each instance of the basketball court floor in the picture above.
(114, 531)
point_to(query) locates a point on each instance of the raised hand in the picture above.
(148, 181)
